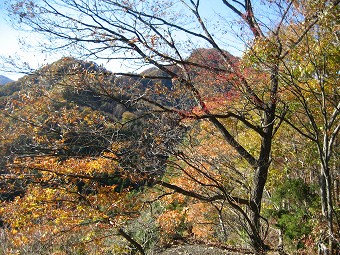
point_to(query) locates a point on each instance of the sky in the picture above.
(10, 46)
(8, 40)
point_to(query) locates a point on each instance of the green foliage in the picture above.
(294, 224)
(295, 202)
(297, 192)
(144, 229)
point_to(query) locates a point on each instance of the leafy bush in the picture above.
(294, 201)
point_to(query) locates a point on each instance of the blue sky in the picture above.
(10, 46)
(9, 41)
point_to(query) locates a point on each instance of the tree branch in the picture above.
(200, 197)
(131, 240)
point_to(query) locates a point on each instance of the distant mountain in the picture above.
(86, 83)
(4, 80)
(72, 80)
(80, 109)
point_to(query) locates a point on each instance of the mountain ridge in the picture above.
(4, 80)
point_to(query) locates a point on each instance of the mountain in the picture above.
(4, 80)
(78, 109)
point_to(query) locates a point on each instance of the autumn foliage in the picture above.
(196, 146)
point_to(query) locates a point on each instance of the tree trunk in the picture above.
(323, 195)
(261, 174)
(329, 212)
(336, 191)
(255, 207)
(259, 183)
(327, 202)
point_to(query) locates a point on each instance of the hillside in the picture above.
(4, 80)
(122, 160)
(205, 152)
(75, 109)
